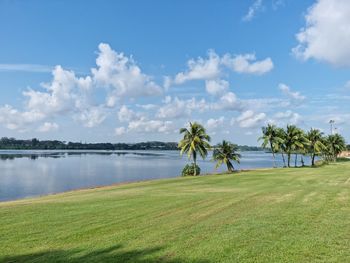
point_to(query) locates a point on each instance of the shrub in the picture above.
(188, 170)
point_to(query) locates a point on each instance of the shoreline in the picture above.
(28, 198)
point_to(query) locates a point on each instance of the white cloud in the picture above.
(70, 95)
(253, 9)
(326, 35)
(122, 76)
(120, 131)
(211, 68)
(13, 119)
(295, 97)
(177, 108)
(213, 124)
(228, 101)
(174, 108)
(92, 116)
(249, 119)
(284, 118)
(48, 127)
(147, 106)
(125, 114)
(144, 126)
(216, 87)
(200, 69)
(26, 68)
(62, 95)
(247, 64)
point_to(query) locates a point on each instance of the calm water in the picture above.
(34, 173)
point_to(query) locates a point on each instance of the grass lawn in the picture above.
(274, 215)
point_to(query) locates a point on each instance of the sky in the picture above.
(131, 71)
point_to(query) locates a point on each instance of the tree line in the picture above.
(291, 141)
(35, 144)
(294, 141)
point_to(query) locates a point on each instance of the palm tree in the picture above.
(293, 141)
(270, 138)
(316, 145)
(225, 153)
(336, 144)
(195, 139)
(301, 146)
(281, 134)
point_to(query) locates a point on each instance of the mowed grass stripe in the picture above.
(269, 215)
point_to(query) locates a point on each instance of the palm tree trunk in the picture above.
(273, 156)
(313, 159)
(296, 160)
(284, 160)
(195, 163)
(288, 159)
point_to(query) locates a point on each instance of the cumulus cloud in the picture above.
(147, 106)
(253, 9)
(48, 127)
(211, 68)
(213, 124)
(91, 117)
(326, 35)
(247, 64)
(295, 97)
(177, 108)
(68, 94)
(120, 131)
(228, 101)
(216, 87)
(284, 118)
(200, 68)
(64, 93)
(249, 119)
(145, 125)
(14, 119)
(125, 114)
(121, 75)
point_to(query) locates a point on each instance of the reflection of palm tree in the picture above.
(225, 153)
(195, 139)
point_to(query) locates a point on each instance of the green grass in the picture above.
(274, 215)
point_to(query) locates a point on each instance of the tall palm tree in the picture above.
(224, 153)
(336, 144)
(281, 134)
(316, 145)
(301, 146)
(270, 138)
(195, 140)
(293, 141)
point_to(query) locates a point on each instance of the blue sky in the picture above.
(139, 70)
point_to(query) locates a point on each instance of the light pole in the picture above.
(331, 122)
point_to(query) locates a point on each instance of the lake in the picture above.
(34, 173)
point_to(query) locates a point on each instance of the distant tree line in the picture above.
(35, 144)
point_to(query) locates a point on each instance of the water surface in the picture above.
(34, 173)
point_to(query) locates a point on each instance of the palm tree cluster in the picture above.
(197, 141)
(295, 141)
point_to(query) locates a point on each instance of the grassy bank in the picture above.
(279, 215)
